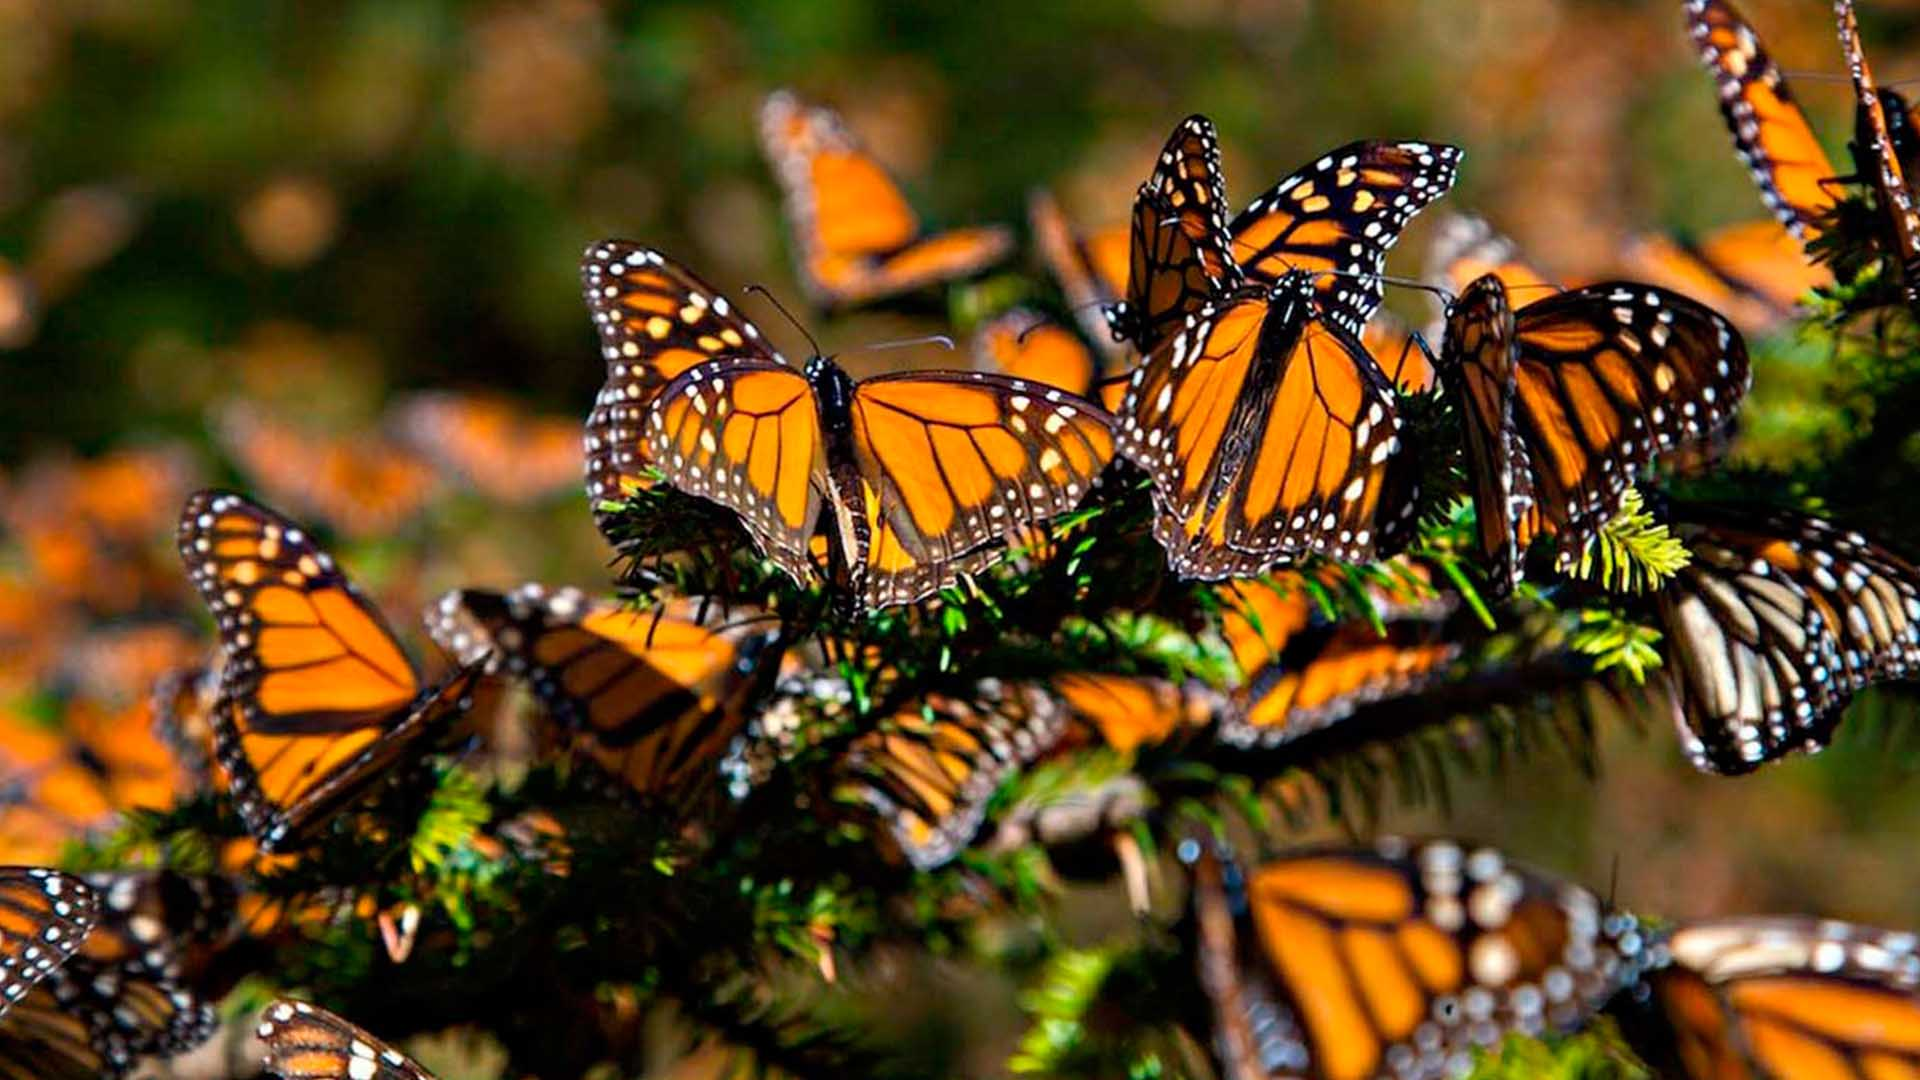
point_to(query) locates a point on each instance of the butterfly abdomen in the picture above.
(833, 391)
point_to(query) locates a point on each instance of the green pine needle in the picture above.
(453, 816)
(1632, 552)
(1616, 642)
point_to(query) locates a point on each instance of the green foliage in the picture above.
(1633, 551)
(1617, 643)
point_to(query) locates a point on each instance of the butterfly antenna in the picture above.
(941, 340)
(1446, 296)
(762, 290)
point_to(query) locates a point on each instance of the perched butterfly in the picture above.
(655, 696)
(1024, 345)
(1877, 157)
(857, 238)
(925, 475)
(1301, 671)
(656, 319)
(361, 484)
(45, 917)
(1770, 133)
(1773, 626)
(1335, 218)
(1269, 434)
(1397, 961)
(1779, 998)
(127, 983)
(931, 768)
(1569, 397)
(306, 1042)
(490, 445)
(317, 700)
(1755, 273)
(1091, 267)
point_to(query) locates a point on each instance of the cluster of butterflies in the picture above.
(1401, 959)
(1241, 365)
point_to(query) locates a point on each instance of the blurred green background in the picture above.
(320, 206)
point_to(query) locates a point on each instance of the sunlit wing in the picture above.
(306, 1042)
(857, 238)
(746, 434)
(1128, 712)
(656, 319)
(316, 698)
(958, 464)
(1772, 627)
(1343, 213)
(655, 697)
(1180, 254)
(1405, 959)
(1770, 133)
(1268, 433)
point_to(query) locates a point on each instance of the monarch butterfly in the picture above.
(84, 528)
(927, 474)
(857, 239)
(655, 697)
(1395, 961)
(306, 1042)
(1770, 133)
(1753, 272)
(126, 982)
(45, 916)
(1773, 626)
(1269, 434)
(930, 769)
(1091, 267)
(60, 782)
(1878, 158)
(317, 701)
(361, 484)
(491, 445)
(1343, 213)
(1778, 997)
(182, 704)
(1301, 672)
(1569, 397)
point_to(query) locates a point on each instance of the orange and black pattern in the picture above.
(1753, 272)
(1180, 255)
(656, 319)
(306, 1042)
(655, 697)
(1269, 433)
(856, 238)
(1397, 961)
(1301, 671)
(929, 770)
(1778, 998)
(317, 700)
(926, 476)
(1772, 627)
(1576, 394)
(1877, 158)
(1770, 133)
(1130, 712)
(45, 916)
(1026, 345)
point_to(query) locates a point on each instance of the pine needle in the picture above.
(1632, 552)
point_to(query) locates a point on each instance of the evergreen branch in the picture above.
(1632, 552)
(1617, 643)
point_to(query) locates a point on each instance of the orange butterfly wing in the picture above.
(1480, 363)
(1770, 133)
(655, 697)
(316, 698)
(1268, 433)
(1755, 273)
(1351, 964)
(746, 434)
(45, 917)
(1401, 351)
(858, 239)
(656, 320)
(306, 1042)
(360, 485)
(956, 465)
(1344, 212)
(1092, 269)
(1025, 345)
(1180, 255)
(1127, 712)
(492, 446)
